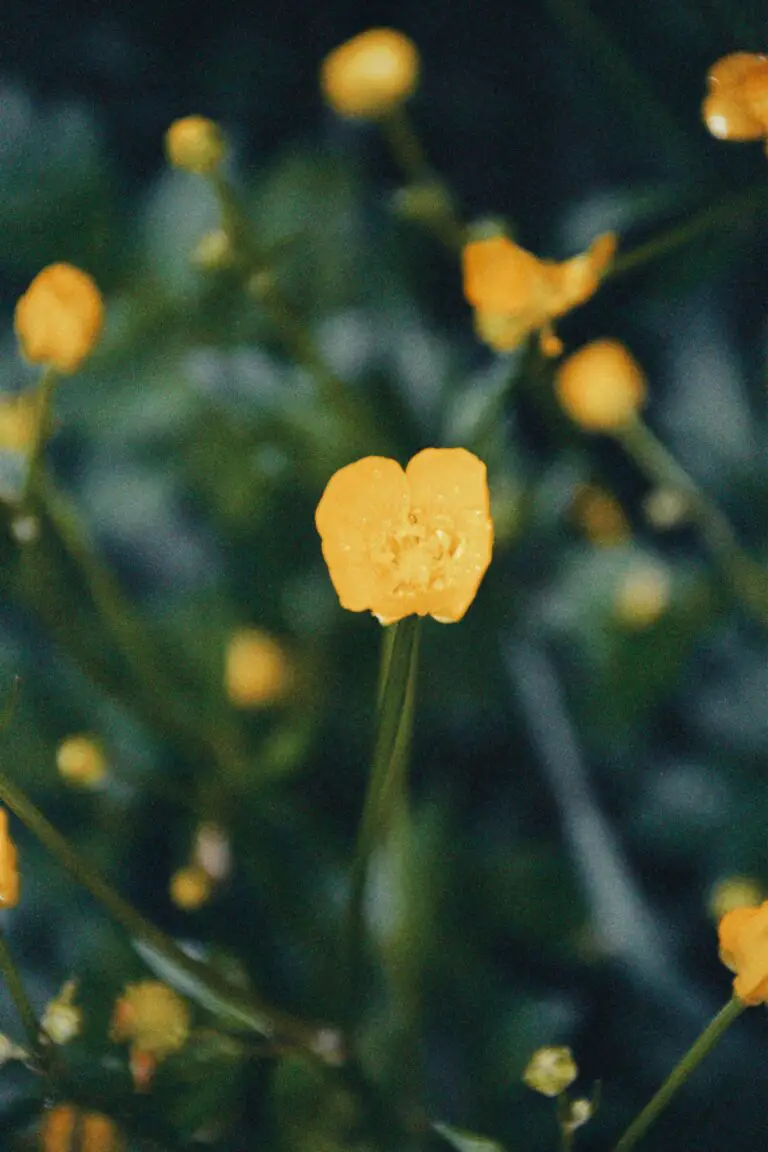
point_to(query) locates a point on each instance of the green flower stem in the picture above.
(730, 212)
(15, 985)
(747, 578)
(386, 783)
(408, 152)
(194, 978)
(261, 283)
(157, 689)
(678, 1076)
(45, 392)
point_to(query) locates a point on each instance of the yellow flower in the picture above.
(9, 875)
(154, 1020)
(66, 1129)
(371, 74)
(408, 542)
(736, 107)
(550, 1070)
(59, 318)
(81, 761)
(600, 515)
(257, 670)
(601, 387)
(190, 887)
(743, 937)
(514, 293)
(195, 144)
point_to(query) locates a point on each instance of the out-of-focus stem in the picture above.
(15, 984)
(678, 1076)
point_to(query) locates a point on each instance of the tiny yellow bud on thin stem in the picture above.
(550, 1070)
(190, 887)
(195, 144)
(81, 761)
(258, 671)
(601, 387)
(370, 75)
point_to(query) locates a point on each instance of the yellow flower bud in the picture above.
(195, 144)
(579, 1112)
(151, 1017)
(643, 596)
(66, 1129)
(258, 671)
(9, 875)
(190, 887)
(213, 252)
(81, 761)
(59, 318)
(600, 516)
(601, 387)
(550, 1070)
(370, 75)
(62, 1019)
(733, 892)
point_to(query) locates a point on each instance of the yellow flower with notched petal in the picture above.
(9, 873)
(59, 318)
(743, 938)
(736, 107)
(371, 74)
(413, 542)
(514, 293)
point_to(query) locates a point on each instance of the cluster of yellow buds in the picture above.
(154, 1021)
(258, 671)
(601, 387)
(66, 1128)
(62, 1019)
(59, 318)
(9, 873)
(736, 107)
(370, 75)
(81, 761)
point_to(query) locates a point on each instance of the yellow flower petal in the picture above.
(743, 939)
(59, 318)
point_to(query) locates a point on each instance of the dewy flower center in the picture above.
(418, 553)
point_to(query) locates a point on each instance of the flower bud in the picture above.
(370, 75)
(190, 887)
(195, 144)
(59, 318)
(643, 597)
(258, 671)
(9, 875)
(19, 421)
(579, 1112)
(66, 1129)
(733, 892)
(81, 761)
(62, 1020)
(600, 516)
(213, 252)
(550, 1070)
(601, 387)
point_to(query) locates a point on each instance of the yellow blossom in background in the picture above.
(371, 74)
(550, 1070)
(195, 144)
(515, 294)
(154, 1021)
(733, 892)
(257, 669)
(19, 420)
(66, 1129)
(81, 761)
(59, 318)
(601, 387)
(600, 516)
(743, 937)
(190, 887)
(642, 597)
(62, 1020)
(400, 543)
(736, 107)
(9, 873)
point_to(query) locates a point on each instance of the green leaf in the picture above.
(466, 1141)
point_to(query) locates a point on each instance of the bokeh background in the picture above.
(581, 783)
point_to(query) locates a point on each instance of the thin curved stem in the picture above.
(15, 984)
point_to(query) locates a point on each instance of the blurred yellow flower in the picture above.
(154, 1020)
(195, 144)
(736, 107)
(515, 294)
(81, 761)
(59, 318)
(642, 596)
(408, 542)
(9, 873)
(743, 937)
(257, 669)
(19, 420)
(371, 74)
(550, 1070)
(600, 516)
(190, 887)
(66, 1129)
(601, 387)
